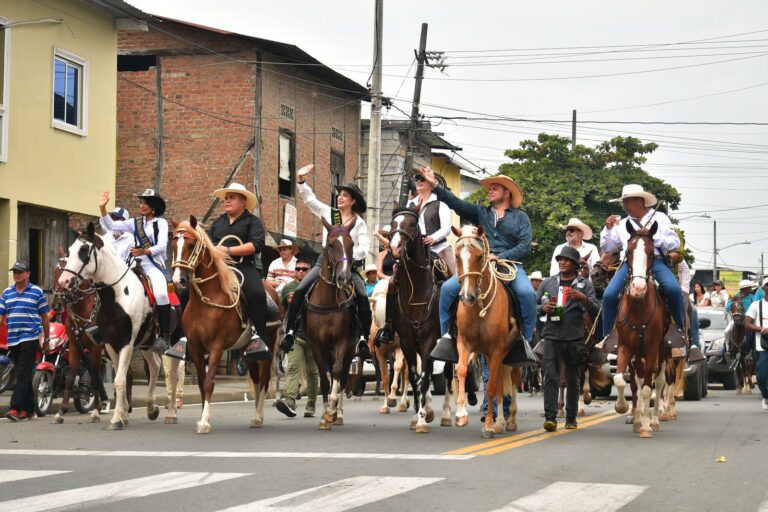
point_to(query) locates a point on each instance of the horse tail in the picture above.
(599, 377)
(379, 296)
(510, 379)
(679, 377)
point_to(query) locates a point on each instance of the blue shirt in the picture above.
(509, 237)
(23, 312)
(746, 301)
(370, 286)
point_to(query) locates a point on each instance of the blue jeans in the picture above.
(521, 287)
(695, 327)
(484, 408)
(669, 287)
(761, 372)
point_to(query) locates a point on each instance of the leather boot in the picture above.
(257, 350)
(161, 343)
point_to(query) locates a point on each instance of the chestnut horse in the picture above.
(739, 349)
(213, 319)
(416, 318)
(641, 323)
(486, 326)
(383, 353)
(330, 320)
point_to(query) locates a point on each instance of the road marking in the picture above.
(99, 495)
(534, 436)
(576, 497)
(12, 475)
(339, 496)
(240, 455)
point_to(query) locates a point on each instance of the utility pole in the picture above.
(421, 58)
(374, 135)
(573, 131)
(714, 250)
(762, 268)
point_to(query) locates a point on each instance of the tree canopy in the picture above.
(559, 182)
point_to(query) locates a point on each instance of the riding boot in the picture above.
(386, 334)
(257, 350)
(521, 354)
(161, 344)
(445, 350)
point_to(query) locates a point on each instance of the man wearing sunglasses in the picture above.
(575, 234)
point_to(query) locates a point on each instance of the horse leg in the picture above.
(259, 372)
(405, 380)
(622, 361)
(339, 420)
(462, 415)
(426, 413)
(204, 425)
(644, 403)
(120, 416)
(661, 379)
(586, 394)
(171, 416)
(69, 384)
(413, 377)
(445, 419)
(98, 383)
(384, 370)
(326, 420)
(494, 395)
(511, 425)
(153, 363)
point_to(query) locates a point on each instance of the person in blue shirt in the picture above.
(25, 307)
(509, 234)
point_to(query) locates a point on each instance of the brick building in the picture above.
(198, 106)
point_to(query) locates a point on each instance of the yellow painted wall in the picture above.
(45, 166)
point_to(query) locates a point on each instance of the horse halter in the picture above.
(197, 251)
(332, 280)
(75, 282)
(404, 232)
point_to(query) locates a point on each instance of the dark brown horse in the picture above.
(740, 349)
(641, 323)
(330, 321)
(602, 272)
(416, 318)
(213, 320)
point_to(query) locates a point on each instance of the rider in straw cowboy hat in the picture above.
(575, 234)
(614, 237)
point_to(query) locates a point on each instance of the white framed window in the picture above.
(69, 106)
(5, 66)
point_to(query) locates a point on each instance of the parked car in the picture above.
(713, 338)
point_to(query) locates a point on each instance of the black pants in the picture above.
(253, 289)
(570, 354)
(23, 356)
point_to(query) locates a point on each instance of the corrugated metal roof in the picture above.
(425, 134)
(118, 9)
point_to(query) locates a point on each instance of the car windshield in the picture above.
(717, 319)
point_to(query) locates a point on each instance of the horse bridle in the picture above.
(78, 277)
(485, 249)
(332, 280)
(647, 275)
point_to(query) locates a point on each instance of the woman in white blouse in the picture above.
(434, 221)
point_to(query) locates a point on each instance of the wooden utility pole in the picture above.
(421, 59)
(374, 135)
(573, 131)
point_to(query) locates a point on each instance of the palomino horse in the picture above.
(125, 316)
(487, 326)
(739, 348)
(383, 353)
(213, 319)
(641, 325)
(416, 318)
(330, 320)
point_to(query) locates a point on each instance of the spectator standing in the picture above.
(536, 278)
(575, 234)
(699, 295)
(281, 270)
(370, 278)
(757, 322)
(719, 296)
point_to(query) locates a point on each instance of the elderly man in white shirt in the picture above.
(575, 234)
(614, 237)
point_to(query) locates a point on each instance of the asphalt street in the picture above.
(713, 458)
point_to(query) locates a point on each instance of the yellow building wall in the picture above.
(46, 166)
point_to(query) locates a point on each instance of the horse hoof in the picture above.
(462, 421)
(338, 421)
(171, 420)
(636, 427)
(621, 408)
(125, 422)
(645, 434)
(629, 420)
(403, 407)
(747, 391)
(203, 429)
(413, 424)
(665, 417)
(587, 398)
(57, 420)
(430, 416)
(391, 402)
(511, 426)
(487, 434)
(92, 419)
(116, 426)
(256, 423)
(154, 414)
(422, 429)
(446, 422)
(739, 391)
(384, 410)
(581, 412)
(498, 429)
(655, 427)
(324, 424)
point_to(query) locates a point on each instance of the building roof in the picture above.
(289, 53)
(118, 9)
(425, 135)
(462, 166)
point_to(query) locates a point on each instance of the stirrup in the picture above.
(445, 350)
(257, 350)
(362, 349)
(520, 354)
(384, 336)
(286, 344)
(178, 350)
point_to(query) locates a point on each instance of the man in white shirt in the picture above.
(122, 241)
(614, 237)
(282, 270)
(575, 234)
(758, 323)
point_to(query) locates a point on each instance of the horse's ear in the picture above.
(174, 225)
(654, 228)
(327, 225)
(193, 221)
(90, 231)
(586, 258)
(60, 251)
(456, 231)
(631, 227)
(480, 231)
(351, 224)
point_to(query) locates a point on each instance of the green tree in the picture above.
(559, 182)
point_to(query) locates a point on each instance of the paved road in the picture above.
(374, 461)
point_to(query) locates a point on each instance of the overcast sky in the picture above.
(714, 167)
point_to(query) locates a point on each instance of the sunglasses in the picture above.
(418, 177)
(302, 269)
(572, 230)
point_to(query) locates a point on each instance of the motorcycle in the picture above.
(50, 377)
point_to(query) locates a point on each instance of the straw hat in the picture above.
(536, 276)
(237, 188)
(287, 243)
(746, 283)
(370, 268)
(634, 190)
(576, 223)
(509, 184)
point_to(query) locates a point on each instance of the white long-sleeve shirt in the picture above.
(158, 248)
(585, 250)
(440, 236)
(665, 240)
(359, 233)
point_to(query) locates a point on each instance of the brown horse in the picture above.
(602, 272)
(740, 349)
(486, 326)
(330, 320)
(641, 323)
(416, 318)
(213, 320)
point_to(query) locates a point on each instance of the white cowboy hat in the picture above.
(236, 188)
(573, 222)
(765, 281)
(634, 190)
(536, 275)
(746, 283)
(287, 243)
(509, 184)
(370, 268)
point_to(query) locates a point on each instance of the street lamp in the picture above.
(703, 216)
(715, 271)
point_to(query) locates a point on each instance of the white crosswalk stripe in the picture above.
(115, 491)
(338, 496)
(576, 497)
(12, 475)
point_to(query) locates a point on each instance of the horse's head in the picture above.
(603, 270)
(338, 252)
(185, 241)
(737, 311)
(82, 260)
(640, 254)
(584, 267)
(405, 230)
(472, 260)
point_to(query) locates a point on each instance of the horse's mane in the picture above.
(227, 278)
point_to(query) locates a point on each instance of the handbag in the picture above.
(763, 337)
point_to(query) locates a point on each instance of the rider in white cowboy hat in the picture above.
(575, 234)
(614, 237)
(282, 270)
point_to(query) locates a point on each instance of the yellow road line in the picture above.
(498, 445)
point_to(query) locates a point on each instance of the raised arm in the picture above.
(465, 209)
(316, 206)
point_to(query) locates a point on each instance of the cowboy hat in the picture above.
(573, 222)
(569, 253)
(153, 199)
(237, 188)
(746, 283)
(357, 194)
(507, 183)
(536, 276)
(370, 268)
(765, 281)
(634, 190)
(287, 243)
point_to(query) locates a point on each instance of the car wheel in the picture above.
(705, 381)
(692, 391)
(438, 384)
(729, 380)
